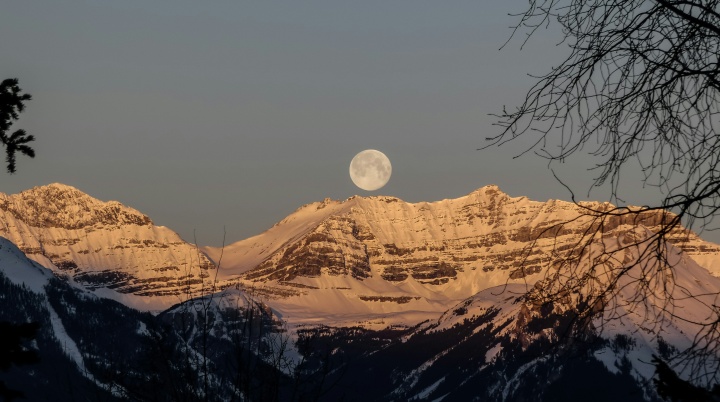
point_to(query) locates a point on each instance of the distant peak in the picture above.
(59, 186)
(61, 205)
(491, 190)
(53, 190)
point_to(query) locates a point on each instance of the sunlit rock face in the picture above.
(384, 254)
(488, 232)
(99, 244)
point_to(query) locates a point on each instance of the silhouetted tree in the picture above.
(641, 84)
(13, 352)
(12, 102)
(673, 388)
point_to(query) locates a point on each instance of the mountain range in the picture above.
(427, 299)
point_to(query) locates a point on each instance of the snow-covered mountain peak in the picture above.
(486, 194)
(490, 190)
(62, 206)
(101, 244)
(380, 253)
(59, 187)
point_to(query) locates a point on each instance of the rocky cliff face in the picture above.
(381, 254)
(100, 244)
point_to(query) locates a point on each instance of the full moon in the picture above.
(370, 169)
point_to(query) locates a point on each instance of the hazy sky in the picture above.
(233, 114)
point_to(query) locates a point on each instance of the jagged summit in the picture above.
(59, 186)
(100, 244)
(488, 191)
(62, 206)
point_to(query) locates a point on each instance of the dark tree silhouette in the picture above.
(13, 352)
(12, 336)
(12, 102)
(641, 85)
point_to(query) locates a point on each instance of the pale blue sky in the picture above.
(232, 114)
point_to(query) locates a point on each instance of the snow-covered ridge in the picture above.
(20, 270)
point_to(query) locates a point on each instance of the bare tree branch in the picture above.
(641, 84)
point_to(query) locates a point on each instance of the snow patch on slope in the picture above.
(20, 270)
(66, 342)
